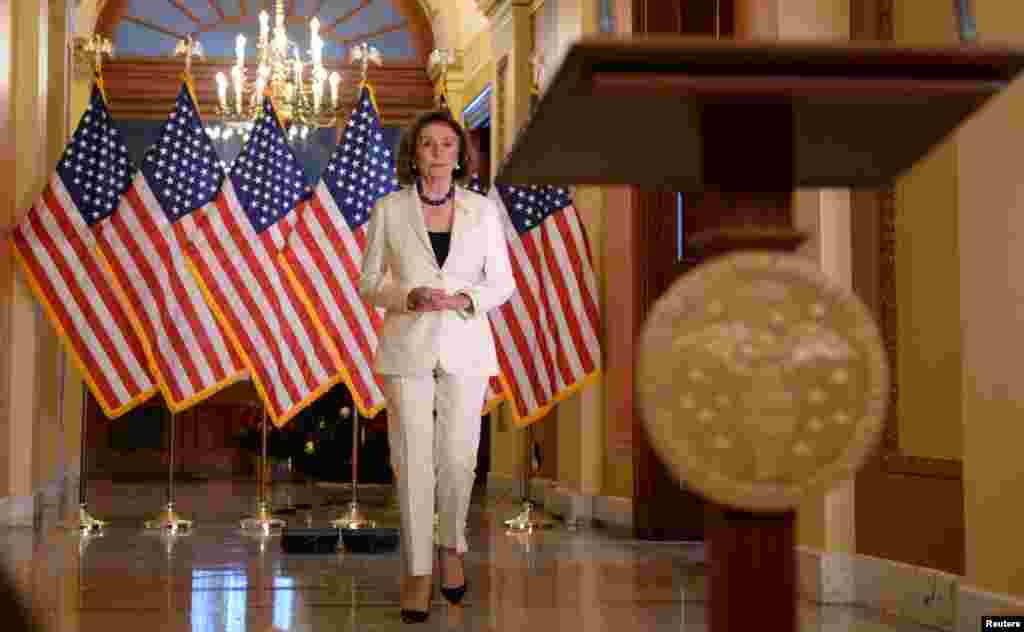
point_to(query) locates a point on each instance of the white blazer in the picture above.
(399, 257)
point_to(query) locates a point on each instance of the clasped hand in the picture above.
(426, 299)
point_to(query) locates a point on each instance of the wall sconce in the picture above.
(87, 54)
(437, 69)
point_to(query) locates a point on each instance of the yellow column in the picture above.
(7, 216)
(580, 419)
(992, 292)
(33, 464)
(27, 52)
(49, 462)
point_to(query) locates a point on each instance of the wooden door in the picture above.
(909, 509)
(662, 508)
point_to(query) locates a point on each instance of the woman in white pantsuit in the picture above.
(437, 262)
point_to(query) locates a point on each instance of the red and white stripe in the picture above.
(547, 333)
(325, 257)
(290, 362)
(57, 250)
(189, 351)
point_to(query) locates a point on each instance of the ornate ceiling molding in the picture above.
(417, 16)
(144, 88)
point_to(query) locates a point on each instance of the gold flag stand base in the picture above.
(86, 524)
(263, 520)
(529, 519)
(353, 519)
(168, 520)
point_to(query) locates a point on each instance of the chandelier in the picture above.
(296, 86)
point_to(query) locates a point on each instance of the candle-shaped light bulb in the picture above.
(280, 40)
(334, 79)
(316, 44)
(238, 77)
(264, 27)
(240, 49)
(222, 90)
(317, 50)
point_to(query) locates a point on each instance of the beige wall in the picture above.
(927, 277)
(991, 239)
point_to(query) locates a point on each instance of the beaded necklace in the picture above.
(431, 201)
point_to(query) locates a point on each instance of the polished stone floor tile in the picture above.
(219, 578)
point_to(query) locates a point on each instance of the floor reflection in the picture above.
(219, 578)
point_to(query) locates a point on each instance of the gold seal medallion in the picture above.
(761, 380)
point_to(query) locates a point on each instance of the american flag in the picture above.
(547, 333)
(188, 349)
(56, 247)
(325, 250)
(234, 242)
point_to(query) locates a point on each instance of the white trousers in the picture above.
(428, 458)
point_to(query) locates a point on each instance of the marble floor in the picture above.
(219, 578)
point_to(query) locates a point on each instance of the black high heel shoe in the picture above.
(416, 616)
(453, 594)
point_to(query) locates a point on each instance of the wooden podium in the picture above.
(753, 121)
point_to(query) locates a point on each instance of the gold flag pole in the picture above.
(353, 519)
(263, 520)
(86, 524)
(529, 518)
(168, 520)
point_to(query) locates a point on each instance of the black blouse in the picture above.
(441, 243)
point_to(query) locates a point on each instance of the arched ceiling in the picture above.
(149, 28)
